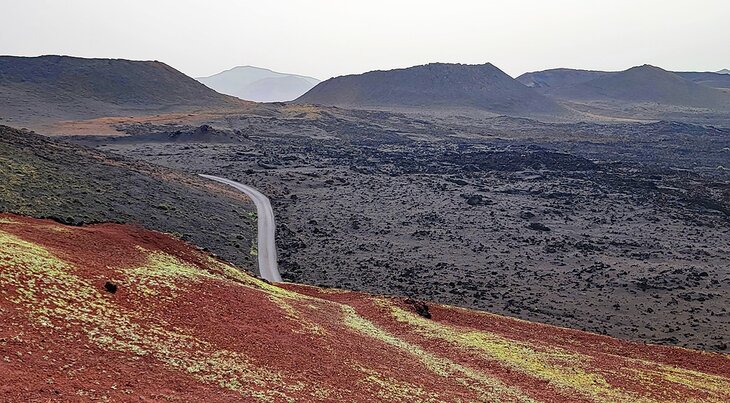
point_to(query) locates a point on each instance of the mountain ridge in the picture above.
(55, 87)
(547, 80)
(259, 84)
(647, 83)
(439, 86)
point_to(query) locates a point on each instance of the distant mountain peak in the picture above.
(724, 71)
(646, 69)
(259, 84)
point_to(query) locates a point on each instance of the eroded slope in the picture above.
(200, 329)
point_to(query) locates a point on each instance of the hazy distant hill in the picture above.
(434, 86)
(646, 84)
(260, 85)
(61, 87)
(724, 71)
(549, 80)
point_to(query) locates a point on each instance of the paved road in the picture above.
(268, 266)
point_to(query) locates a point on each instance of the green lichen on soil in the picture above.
(394, 390)
(566, 370)
(44, 178)
(284, 299)
(56, 297)
(164, 274)
(485, 386)
(254, 249)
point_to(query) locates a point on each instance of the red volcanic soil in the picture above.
(182, 326)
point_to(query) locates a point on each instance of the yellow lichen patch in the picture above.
(164, 273)
(696, 379)
(715, 388)
(334, 291)
(306, 111)
(57, 228)
(5, 220)
(564, 369)
(304, 326)
(485, 386)
(47, 288)
(393, 390)
(252, 282)
(281, 297)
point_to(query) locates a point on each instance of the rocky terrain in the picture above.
(611, 226)
(588, 226)
(89, 309)
(75, 185)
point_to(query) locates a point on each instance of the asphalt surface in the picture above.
(268, 265)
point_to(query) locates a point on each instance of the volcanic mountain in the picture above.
(436, 86)
(646, 84)
(714, 80)
(49, 88)
(119, 313)
(260, 85)
(548, 81)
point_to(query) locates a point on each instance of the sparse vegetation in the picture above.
(184, 318)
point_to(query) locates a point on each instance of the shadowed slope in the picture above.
(42, 177)
(61, 87)
(548, 80)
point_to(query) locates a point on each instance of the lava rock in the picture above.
(538, 227)
(420, 307)
(110, 287)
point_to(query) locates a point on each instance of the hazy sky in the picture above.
(324, 38)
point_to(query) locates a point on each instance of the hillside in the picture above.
(50, 88)
(260, 85)
(714, 80)
(647, 84)
(436, 86)
(42, 177)
(547, 80)
(107, 312)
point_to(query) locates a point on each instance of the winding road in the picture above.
(268, 266)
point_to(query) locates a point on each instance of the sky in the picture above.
(326, 38)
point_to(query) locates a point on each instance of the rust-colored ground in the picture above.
(108, 126)
(185, 327)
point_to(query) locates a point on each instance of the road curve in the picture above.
(268, 266)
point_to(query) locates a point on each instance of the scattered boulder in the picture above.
(526, 215)
(476, 200)
(110, 287)
(538, 227)
(420, 307)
